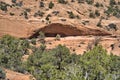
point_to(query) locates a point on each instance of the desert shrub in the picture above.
(12, 14)
(42, 47)
(80, 1)
(41, 4)
(112, 46)
(112, 2)
(19, 4)
(51, 5)
(33, 41)
(39, 13)
(99, 22)
(112, 26)
(90, 46)
(47, 18)
(2, 74)
(62, 1)
(109, 10)
(97, 4)
(78, 17)
(85, 22)
(97, 13)
(90, 1)
(41, 37)
(28, 9)
(13, 1)
(96, 41)
(3, 6)
(71, 15)
(92, 15)
(55, 12)
(25, 14)
(113, 10)
(116, 12)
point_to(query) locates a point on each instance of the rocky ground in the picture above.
(77, 23)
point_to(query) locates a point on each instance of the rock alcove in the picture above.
(53, 29)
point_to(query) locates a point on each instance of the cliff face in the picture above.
(23, 29)
(16, 28)
(68, 30)
(25, 19)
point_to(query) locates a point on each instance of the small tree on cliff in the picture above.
(57, 37)
(42, 37)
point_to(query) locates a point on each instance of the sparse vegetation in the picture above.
(3, 6)
(112, 26)
(25, 14)
(90, 1)
(39, 13)
(78, 17)
(112, 46)
(13, 1)
(62, 1)
(90, 46)
(99, 22)
(33, 41)
(51, 5)
(47, 18)
(27, 9)
(97, 13)
(55, 13)
(2, 74)
(96, 41)
(92, 15)
(97, 4)
(80, 1)
(71, 15)
(112, 2)
(19, 4)
(41, 4)
(41, 37)
(113, 10)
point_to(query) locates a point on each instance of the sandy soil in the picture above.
(79, 44)
(11, 75)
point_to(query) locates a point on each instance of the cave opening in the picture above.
(48, 35)
(54, 34)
